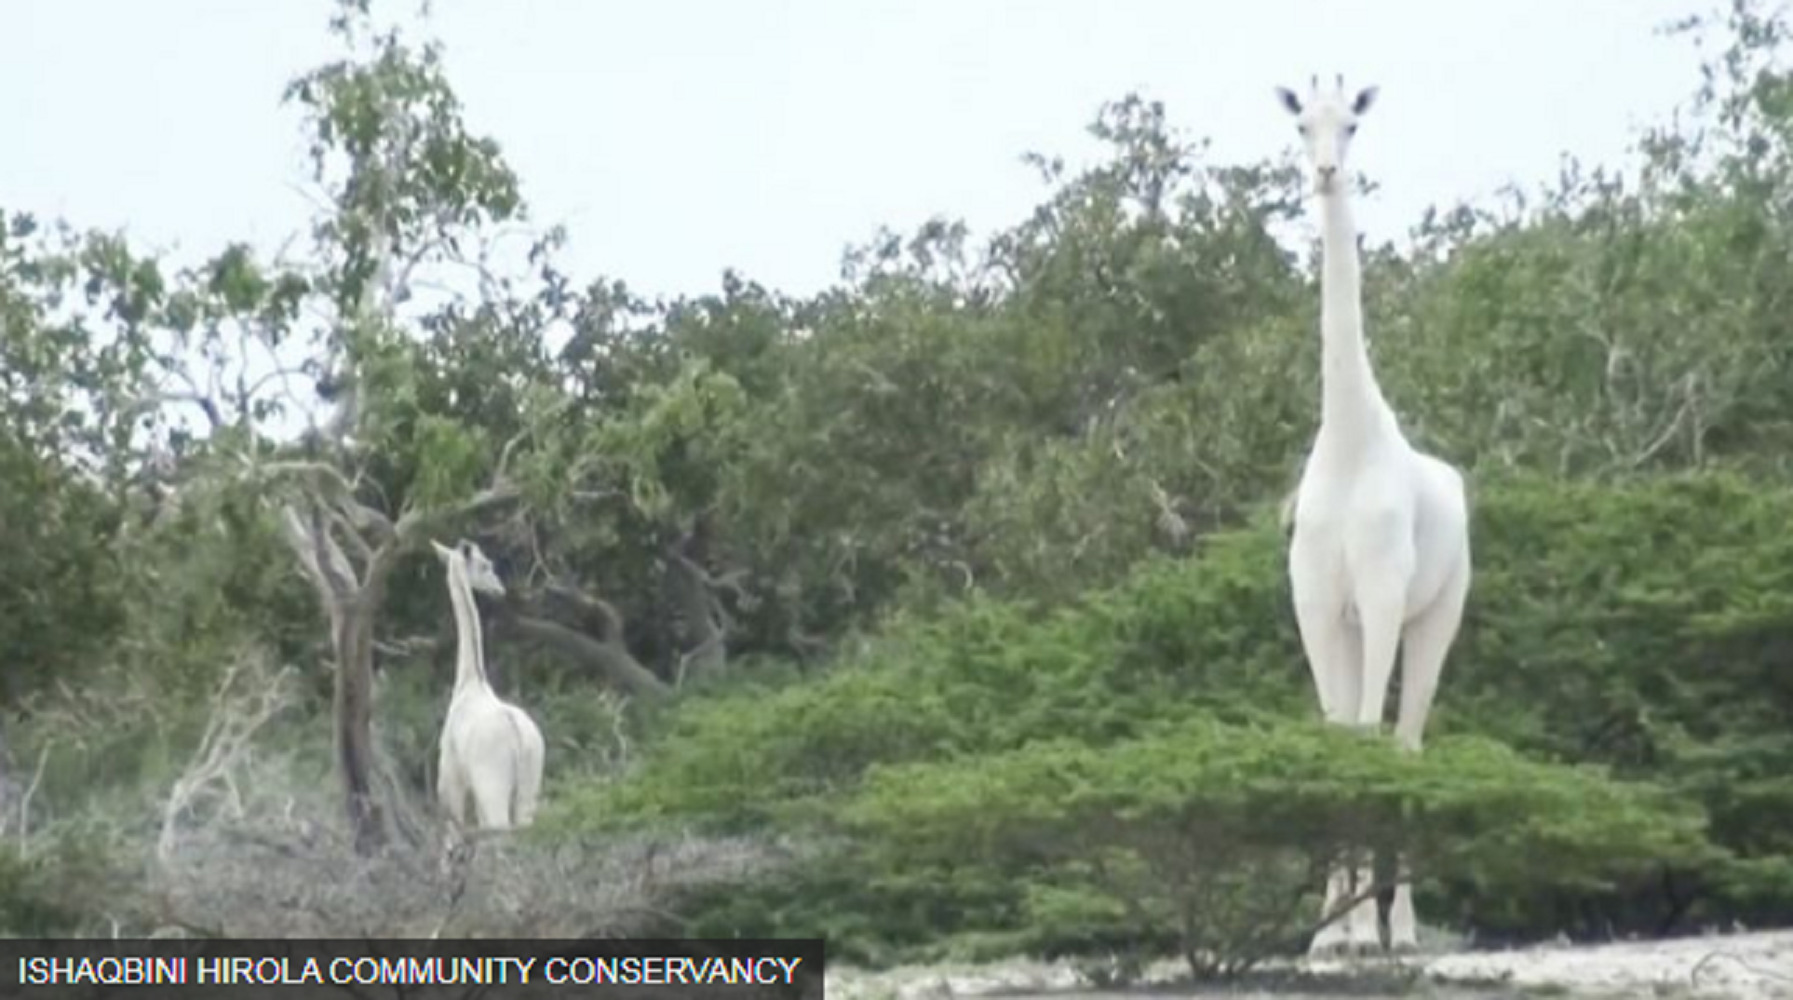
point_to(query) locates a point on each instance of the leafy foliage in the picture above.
(1216, 833)
(1641, 656)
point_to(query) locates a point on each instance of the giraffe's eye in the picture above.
(1351, 129)
(1302, 128)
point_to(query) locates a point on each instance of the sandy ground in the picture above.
(1745, 966)
(1750, 966)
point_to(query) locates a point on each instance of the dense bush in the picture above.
(1645, 625)
(985, 677)
(1613, 625)
(1218, 834)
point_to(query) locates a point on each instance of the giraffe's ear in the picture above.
(441, 550)
(1365, 98)
(1289, 100)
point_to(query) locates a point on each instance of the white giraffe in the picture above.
(1379, 557)
(491, 749)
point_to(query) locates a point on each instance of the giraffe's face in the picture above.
(1327, 120)
(480, 574)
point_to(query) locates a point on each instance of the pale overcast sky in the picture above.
(676, 138)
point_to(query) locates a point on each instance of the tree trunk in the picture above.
(354, 730)
(703, 652)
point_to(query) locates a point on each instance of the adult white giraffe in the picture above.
(1379, 557)
(491, 750)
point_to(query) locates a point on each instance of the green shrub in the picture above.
(1645, 626)
(1636, 626)
(1218, 832)
(983, 677)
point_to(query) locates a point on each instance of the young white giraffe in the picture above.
(1379, 557)
(491, 749)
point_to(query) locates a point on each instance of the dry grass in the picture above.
(249, 841)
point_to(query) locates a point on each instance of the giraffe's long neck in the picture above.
(1351, 403)
(470, 653)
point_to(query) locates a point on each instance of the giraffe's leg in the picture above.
(530, 752)
(1355, 932)
(451, 787)
(1427, 641)
(1364, 935)
(1380, 553)
(1332, 940)
(1403, 926)
(492, 795)
(1380, 609)
(1381, 606)
(1334, 651)
(1328, 639)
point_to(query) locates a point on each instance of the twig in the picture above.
(300, 468)
(43, 758)
(1693, 975)
(1668, 434)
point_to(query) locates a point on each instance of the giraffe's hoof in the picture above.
(1339, 949)
(1327, 943)
(1326, 951)
(1358, 949)
(1403, 949)
(1370, 949)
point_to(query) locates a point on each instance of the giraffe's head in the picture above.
(1327, 120)
(478, 569)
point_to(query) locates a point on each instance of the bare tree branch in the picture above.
(236, 717)
(311, 555)
(611, 660)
